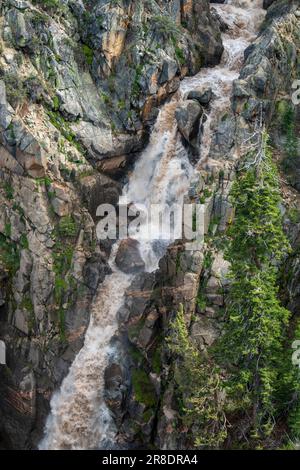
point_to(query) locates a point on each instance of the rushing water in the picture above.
(79, 417)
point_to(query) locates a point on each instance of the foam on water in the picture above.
(80, 418)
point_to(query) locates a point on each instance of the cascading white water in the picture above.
(79, 417)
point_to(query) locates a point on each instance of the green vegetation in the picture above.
(294, 215)
(58, 121)
(166, 26)
(9, 190)
(293, 387)
(256, 323)
(67, 227)
(135, 90)
(156, 360)
(27, 305)
(197, 381)
(250, 365)
(88, 53)
(62, 254)
(15, 90)
(287, 119)
(9, 253)
(55, 103)
(48, 4)
(288, 389)
(143, 389)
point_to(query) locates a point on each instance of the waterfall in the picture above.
(79, 417)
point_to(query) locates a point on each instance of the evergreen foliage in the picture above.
(197, 381)
(251, 347)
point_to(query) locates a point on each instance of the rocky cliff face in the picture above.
(81, 83)
(199, 280)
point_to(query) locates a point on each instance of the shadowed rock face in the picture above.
(188, 118)
(80, 86)
(128, 258)
(106, 70)
(268, 3)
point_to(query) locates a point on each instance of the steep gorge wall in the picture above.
(262, 94)
(80, 83)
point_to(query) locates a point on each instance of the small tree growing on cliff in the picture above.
(197, 380)
(251, 346)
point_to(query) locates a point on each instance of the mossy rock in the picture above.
(143, 389)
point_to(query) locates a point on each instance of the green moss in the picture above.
(148, 414)
(201, 301)
(143, 389)
(136, 355)
(15, 89)
(9, 255)
(136, 87)
(178, 260)
(208, 260)
(134, 330)
(156, 361)
(166, 26)
(62, 324)
(55, 103)
(88, 53)
(24, 241)
(294, 215)
(9, 190)
(180, 55)
(48, 4)
(58, 121)
(62, 255)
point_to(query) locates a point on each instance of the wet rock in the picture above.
(169, 70)
(114, 388)
(223, 138)
(128, 258)
(188, 119)
(166, 433)
(202, 95)
(95, 270)
(99, 189)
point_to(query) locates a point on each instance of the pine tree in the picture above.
(198, 387)
(250, 348)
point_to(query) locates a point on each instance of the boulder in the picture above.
(95, 270)
(113, 377)
(61, 203)
(169, 70)
(16, 21)
(188, 119)
(128, 258)
(202, 94)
